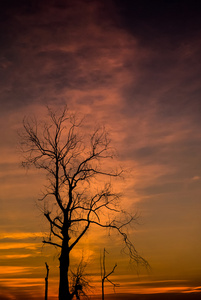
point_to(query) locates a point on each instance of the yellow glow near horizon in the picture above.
(23, 282)
(20, 235)
(14, 269)
(30, 246)
(15, 256)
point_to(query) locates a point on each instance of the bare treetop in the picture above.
(74, 164)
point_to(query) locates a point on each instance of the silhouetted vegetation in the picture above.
(105, 275)
(46, 281)
(74, 199)
(80, 281)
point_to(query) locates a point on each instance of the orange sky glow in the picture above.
(134, 67)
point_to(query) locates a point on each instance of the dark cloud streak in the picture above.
(157, 22)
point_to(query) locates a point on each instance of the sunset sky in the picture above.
(134, 66)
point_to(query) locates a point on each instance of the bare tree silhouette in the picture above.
(105, 275)
(46, 281)
(80, 282)
(71, 203)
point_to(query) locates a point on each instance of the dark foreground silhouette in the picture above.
(167, 296)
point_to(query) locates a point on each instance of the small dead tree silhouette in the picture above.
(80, 282)
(73, 164)
(46, 281)
(105, 275)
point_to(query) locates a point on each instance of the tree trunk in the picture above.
(46, 281)
(103, 295)
(64, 293)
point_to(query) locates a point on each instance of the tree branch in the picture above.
(51, 243)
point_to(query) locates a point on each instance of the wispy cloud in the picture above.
(20, 235)
(14, 269)
(15, 256)
(16, 245)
